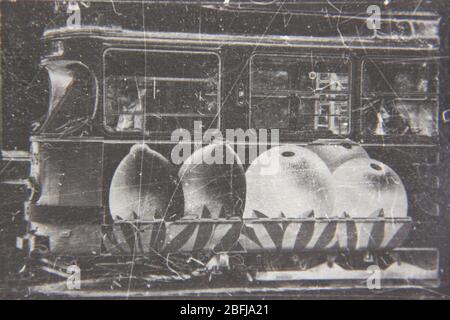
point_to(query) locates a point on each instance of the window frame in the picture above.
(51, 111)
(160, 134)
(302, 57)
(428, 97)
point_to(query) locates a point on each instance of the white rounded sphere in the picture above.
(213, 178)
(290, 181)
(363, 187)
(335, 154)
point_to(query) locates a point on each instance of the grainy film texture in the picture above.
(224, 148)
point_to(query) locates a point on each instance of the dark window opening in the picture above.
(300, 94)
(158, 92)
(400, 98)
(72, 98)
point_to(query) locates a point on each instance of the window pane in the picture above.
(329, 114)
(399, 77)
(300, 93)
(270, 113)
(72, 98)
(400, 97)
(324, 75)
(160, 91)
(270, 73)
(401, 117)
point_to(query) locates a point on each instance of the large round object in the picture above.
(364, 187)
(335, 154)
(144, 187)
(213, 181)
(290, 181)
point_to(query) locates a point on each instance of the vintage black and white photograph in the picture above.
(275, 149)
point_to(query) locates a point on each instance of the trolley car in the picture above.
(357, 114)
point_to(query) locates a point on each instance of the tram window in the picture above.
(300, 94)
(400, 97)
(72, 98)
(151, 92)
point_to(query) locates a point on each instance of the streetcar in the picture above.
(133, 165)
